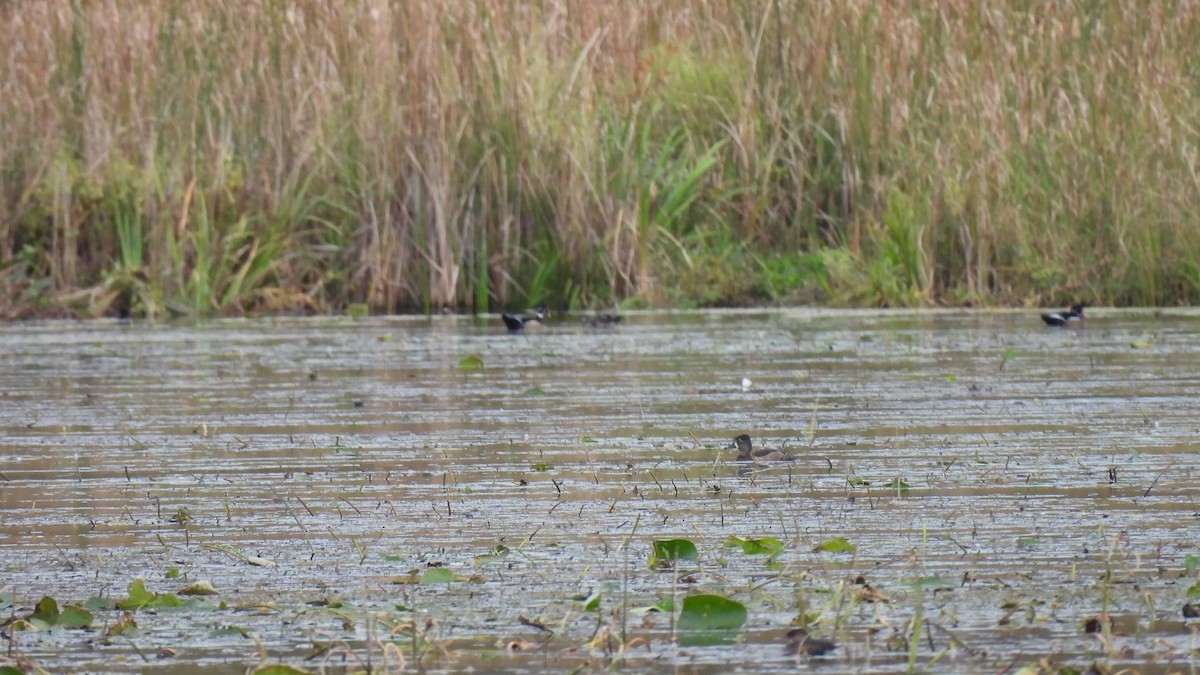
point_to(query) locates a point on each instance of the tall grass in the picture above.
(210, 156)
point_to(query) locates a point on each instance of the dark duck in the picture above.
(600, 320)
(518, 323)
(747, 452)
(1065, 317)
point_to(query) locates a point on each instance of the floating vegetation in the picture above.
(835, 545)
(471, 362)
(47, 615)
(140, 598)
(759, 546)
(710, 619)
(665, 553)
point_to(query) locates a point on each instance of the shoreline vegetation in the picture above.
(212, 157)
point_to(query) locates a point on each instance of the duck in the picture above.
(600, 320)
(801, 643)
(1065, 317)
(747, 453)
(517, 323)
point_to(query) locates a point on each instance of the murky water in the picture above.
(1001, 481)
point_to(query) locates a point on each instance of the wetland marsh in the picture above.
(970, 489)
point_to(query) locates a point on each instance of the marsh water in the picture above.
(1001, 483)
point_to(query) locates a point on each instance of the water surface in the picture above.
(1001, 482)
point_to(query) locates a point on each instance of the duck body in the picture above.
(803, 644)
(517, 323)
(1064, 317)
(747, 452)
(601, 320)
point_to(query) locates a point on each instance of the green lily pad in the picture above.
(140, 598)
(767, 545)
(898, 485)
(74, 616)
(592, 602)
(835, 545)
(470, 362)
(95, 604)
(45, 614)
(934, 582)
(279, 669)
(437, 575)
(666, 551)
(709, 619)
(535, 391)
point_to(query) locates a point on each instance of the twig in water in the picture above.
(1155, 481)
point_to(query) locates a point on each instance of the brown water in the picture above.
(1053, 475)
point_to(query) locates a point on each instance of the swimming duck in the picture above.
(801, 643)
(747, 453)
(600, 320)
(517, 323)
(1064, 317)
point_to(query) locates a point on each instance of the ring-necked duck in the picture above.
(517, 323)
(1064, 317)
(747, 453)
(600, 320)
(801, 643)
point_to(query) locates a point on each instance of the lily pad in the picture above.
(74, 616)
(767, 545)
(835, 545)
(46, 615)
(592, 602)
(437, 575)
(934, 582)
(279, 669)
(470, 362)
(140, 598)
(898, 485)
(666, 551)
(710, 619)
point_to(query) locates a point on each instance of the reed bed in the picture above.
(208, 157)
